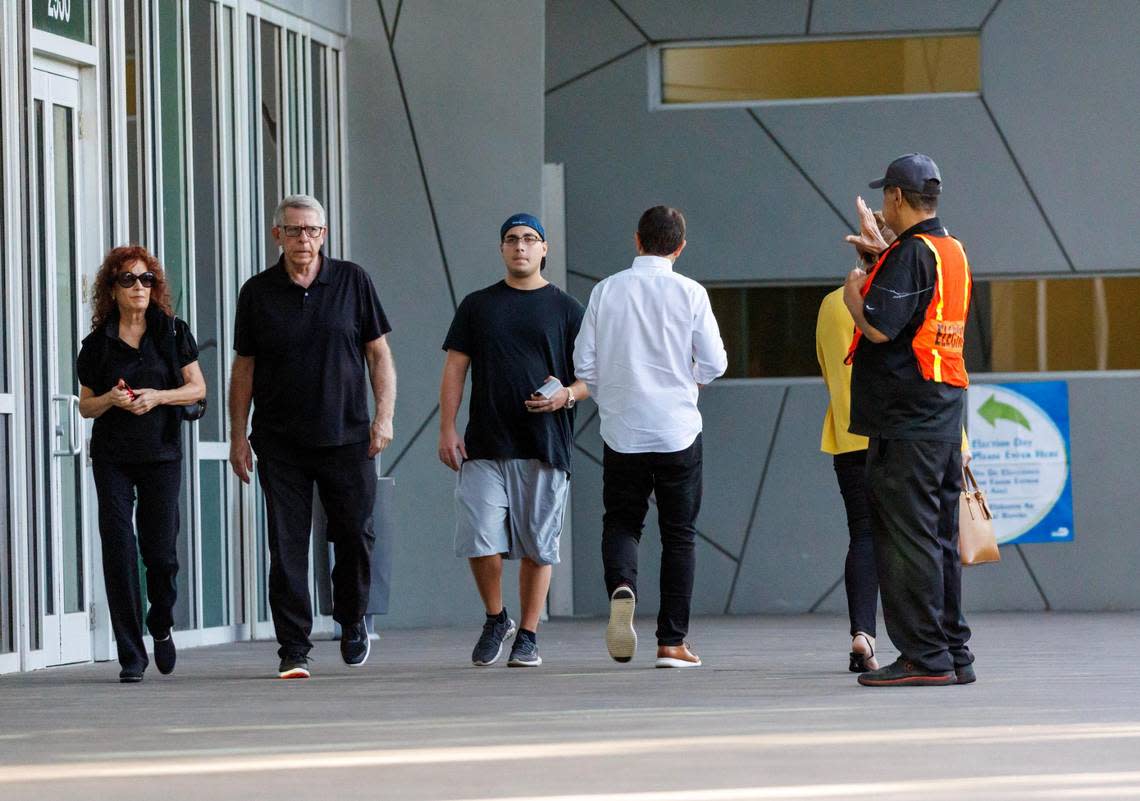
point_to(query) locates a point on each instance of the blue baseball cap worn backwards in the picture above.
(522, 218)
(913, 172)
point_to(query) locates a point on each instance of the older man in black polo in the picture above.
(307, 330)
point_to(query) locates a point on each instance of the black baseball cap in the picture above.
(913, 172)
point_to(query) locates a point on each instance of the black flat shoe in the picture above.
(130, 676)
(165, 654)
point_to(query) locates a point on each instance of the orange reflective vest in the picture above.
(937, 344)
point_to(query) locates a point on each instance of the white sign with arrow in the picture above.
(1019, 437)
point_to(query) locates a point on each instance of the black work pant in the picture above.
(860, 575)
(675, 480)
(157, 485)
(914, 488)
(347, 488)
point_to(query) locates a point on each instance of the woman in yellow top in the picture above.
(834, 330)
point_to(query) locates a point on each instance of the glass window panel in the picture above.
(7, 546)
(336, 167)
(295, 138)
(184, 616)
(135, 191)
(1088, 323)
(171, 112)
(41, 533)
(4, 234)
(214, 543)
(270, 132)
(320, 123)
(35, 408)
(70, 467)
(254, 112)
(262, 544)
(208, 255)
(811, 69)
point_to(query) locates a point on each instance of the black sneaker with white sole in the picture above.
(354, 644)
(524, 653)
(293, 666)
(490, 645)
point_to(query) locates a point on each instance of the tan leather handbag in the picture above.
(976, 541)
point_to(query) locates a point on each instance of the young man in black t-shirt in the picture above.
(514, 460)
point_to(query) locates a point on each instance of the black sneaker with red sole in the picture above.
(904, 673)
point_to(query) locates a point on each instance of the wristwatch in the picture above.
(570, 399)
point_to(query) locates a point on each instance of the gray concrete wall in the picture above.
(445, 140)
(769, 193)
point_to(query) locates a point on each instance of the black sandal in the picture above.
(858, 663)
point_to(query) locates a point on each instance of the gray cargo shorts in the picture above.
(513, 507)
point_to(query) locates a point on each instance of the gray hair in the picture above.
(298, 202)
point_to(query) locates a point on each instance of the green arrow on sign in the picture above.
(993, 410)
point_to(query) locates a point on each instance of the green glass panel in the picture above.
(63, 176)
(68, 18)
(271, 133)
(214, 542)
(171, 112)
(184, 617)
(208, 240)
(262, 534)
(7, 547)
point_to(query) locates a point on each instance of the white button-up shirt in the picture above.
(648, 339)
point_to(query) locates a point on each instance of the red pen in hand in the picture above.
(127, 388)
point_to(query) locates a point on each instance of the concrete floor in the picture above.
(773, 715)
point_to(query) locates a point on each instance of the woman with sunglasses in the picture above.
(138, 364)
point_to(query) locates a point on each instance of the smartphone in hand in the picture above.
(548, 389)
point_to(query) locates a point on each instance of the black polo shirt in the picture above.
(889, 396)
(118, 436)
(310, 387)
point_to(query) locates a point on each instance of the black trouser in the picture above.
(675, 480)
(157, 485)
(860, 575)
(347, 489)
(914, 488)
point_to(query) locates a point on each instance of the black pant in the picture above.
(347, 488)
(675, 480)
(157, 485)
(914, 488)
(859, 572)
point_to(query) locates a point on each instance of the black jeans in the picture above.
(914, 488)
(347, 489)
(157, 485)
(860, 575)
(675, 480)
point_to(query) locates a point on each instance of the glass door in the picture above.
(60, 591)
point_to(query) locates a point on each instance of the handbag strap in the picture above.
(969, 483)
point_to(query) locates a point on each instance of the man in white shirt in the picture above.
(648, 342)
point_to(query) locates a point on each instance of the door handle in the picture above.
(58, 430)
(73, 427)
(76, 425)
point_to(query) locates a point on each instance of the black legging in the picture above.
(157, 485)
(859, 573)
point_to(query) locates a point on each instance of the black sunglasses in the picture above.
(127, 280)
